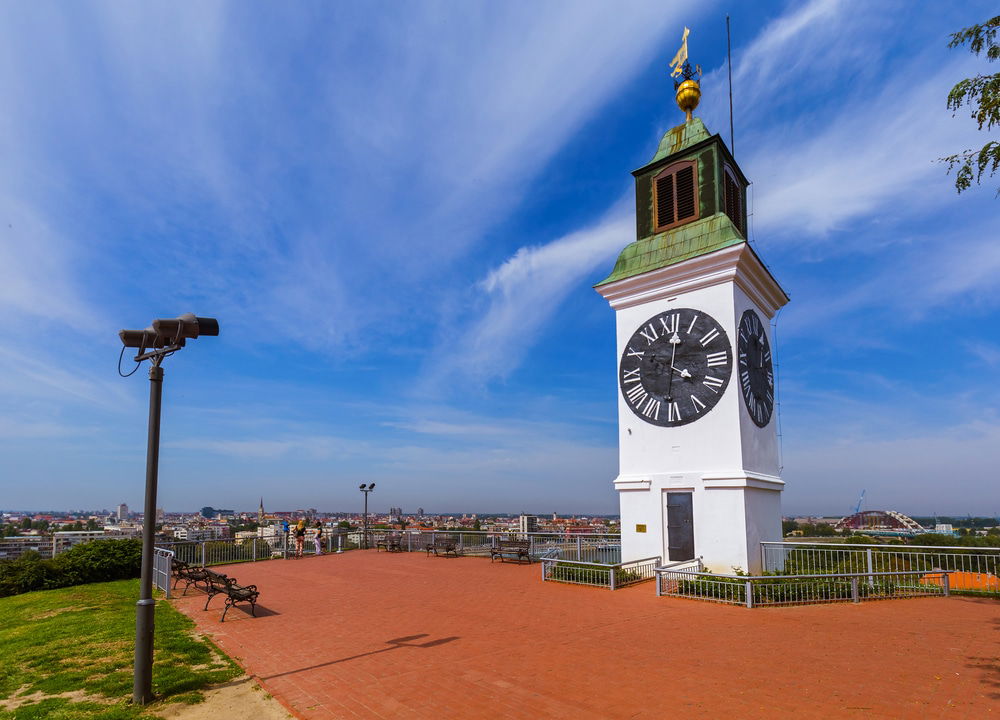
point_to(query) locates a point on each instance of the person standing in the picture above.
(318, 538)
(300, 537)
(284, 535)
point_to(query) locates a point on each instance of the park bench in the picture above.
(444, 544)
(390, 542)
(240, 593)
(214, 584)
(515, 549)
(219, 584)
(190, 574)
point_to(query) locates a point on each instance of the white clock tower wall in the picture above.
(698, 475)
(760, 445)
(728, 464)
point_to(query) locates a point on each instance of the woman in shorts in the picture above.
(300, 537)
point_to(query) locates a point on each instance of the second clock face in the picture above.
(756, 373)
(675, 367)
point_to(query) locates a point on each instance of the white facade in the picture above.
(730, 466)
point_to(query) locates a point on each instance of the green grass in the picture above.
(82, 639)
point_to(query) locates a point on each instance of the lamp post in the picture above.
(366, 489)
(162, 339)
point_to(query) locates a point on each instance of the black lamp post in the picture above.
(163, 338)
(366, 489)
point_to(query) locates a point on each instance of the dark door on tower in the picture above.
(680, 526)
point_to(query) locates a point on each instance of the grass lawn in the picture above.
(80, 641)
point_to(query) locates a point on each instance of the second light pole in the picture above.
(366, 489)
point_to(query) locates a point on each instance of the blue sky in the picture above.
(397, 212)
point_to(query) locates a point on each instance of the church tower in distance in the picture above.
(699, 468)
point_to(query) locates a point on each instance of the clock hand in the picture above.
(683, 373)
(675, 340)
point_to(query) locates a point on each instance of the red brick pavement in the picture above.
(378, 635)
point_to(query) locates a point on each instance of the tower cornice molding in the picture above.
(738, 264)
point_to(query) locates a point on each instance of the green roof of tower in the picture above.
(667, 248)
(681, 137)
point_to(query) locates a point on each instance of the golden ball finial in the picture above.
(688, 95)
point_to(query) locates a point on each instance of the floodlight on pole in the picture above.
(160, 340)
(366, 490)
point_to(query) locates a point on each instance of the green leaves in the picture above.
(982, 95)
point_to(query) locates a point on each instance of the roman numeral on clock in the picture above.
(636, 394)
(716, 358)
(698, 404)
(652, 409)
(636, 353)
(673, 412)
(709, 337)
(650, 336)
(712, 383)
(670, 323)
(630, 376)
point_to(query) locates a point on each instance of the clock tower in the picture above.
(699, 469)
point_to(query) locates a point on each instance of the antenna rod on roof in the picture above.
(729, 62)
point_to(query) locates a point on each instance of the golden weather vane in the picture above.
(688, 91)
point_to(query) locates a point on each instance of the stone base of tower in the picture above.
(720, 518)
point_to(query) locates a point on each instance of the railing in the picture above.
(972, 570)
(228, 551)
(763, 590)
(580, 548)
(596, 548)
(606, 575)
(163, 560)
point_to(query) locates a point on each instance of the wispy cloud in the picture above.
(521, 295)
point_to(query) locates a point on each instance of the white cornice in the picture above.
(738, 264)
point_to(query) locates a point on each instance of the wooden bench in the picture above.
(391, 543)
(219, 584)
(240, 593)
(190, 574)
(444, 544)
(511, 548)
(214, 584)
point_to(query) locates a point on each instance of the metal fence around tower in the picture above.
(613, 577)
(972, 570)
(776, 590)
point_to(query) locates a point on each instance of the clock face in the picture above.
(756, 373)
(676, 367)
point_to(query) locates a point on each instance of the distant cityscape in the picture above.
(50, 532)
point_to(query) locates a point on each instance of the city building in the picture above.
(122, 512)
(528, 523)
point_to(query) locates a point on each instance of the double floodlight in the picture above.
(369, 487)
(172, 332)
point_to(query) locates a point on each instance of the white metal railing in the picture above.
(763, 590)
(597, 548)
(611, 576)
(972, 569)
(163, 560)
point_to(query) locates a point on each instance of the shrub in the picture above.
(96, 561)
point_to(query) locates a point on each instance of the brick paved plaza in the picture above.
(377, 635)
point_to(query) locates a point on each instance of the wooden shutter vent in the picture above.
(733, 199)
(665, 200)
(685, 193)
(676, 195)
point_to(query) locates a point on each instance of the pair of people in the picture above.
(300, 537)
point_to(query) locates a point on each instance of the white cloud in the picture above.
(523, 293)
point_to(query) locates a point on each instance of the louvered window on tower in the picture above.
(733, 192)
(675, 192)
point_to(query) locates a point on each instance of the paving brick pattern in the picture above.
(378, 635)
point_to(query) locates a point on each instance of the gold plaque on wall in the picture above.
(640, 528)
